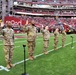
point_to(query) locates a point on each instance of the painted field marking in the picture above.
(42, 53)
(4, 68)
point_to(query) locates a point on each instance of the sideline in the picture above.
(43, 53)
(23, 41)
(4, 68)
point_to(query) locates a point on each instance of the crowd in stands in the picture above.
(50, 21)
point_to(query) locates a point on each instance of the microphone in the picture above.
(24, 45)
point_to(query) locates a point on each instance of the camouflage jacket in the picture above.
(46, 34)
(31, 32)
(8, 36)
(56, 34)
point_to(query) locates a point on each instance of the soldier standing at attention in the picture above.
(30, 29)
(56, 35)
(46, 37)
(8, 37)
(62, 29)
(63, 37)
(63, 33)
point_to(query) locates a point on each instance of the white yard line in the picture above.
(42, 53)
(4, 68)
(17, 46)
(22, 41)
(15, 42)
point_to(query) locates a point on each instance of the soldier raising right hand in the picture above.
(30, 29)
(46, 37)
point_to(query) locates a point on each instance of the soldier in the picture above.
(56, 35)
(46, 37)
(63, 33)
(61, 27)
(8, 36)
(30, 29)
(63, 37)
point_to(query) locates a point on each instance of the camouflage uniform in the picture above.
(31, 37)
(61, 27)
(63, 37)
(56, 35)
(63, 34)
(46, 37)
(8, 36)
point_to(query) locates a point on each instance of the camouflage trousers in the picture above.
(55, 43)
(46, 45)
(31, 47)
(63, 38)
(8, 49)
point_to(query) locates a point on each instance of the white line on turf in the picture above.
(21, 41)
(4, 68)
(17, 46)
(43, 53)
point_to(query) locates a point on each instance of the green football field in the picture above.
(59, 62)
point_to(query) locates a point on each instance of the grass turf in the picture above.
(60, 62)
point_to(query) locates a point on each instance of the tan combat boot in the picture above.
(33, 57)
(12, 65)
(30, 58)
(8, 66)
(45, 52)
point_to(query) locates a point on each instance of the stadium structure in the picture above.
(43, 12)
